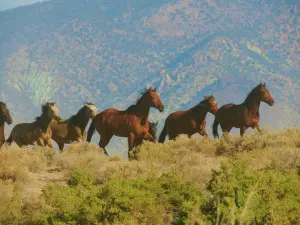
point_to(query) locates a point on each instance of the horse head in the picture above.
(4, 113)
(212, 104)
(91, 109)
(50, 109)
(153, 99)
(265, 94)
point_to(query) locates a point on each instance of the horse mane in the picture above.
(250, 95)
(71, 119)
(142, 93)
(202, 103)
(44, 110)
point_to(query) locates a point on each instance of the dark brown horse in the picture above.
(4, 117)
(190, 121)
(243, 115)
(73, 129)
(38, 131)
(131, 123)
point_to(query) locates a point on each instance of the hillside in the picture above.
(249, 180)
(74, 51)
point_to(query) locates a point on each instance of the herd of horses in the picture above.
(133, 122)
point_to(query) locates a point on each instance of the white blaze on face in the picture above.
(55, 110)
(93, 108)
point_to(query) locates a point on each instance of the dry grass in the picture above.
(192, 160)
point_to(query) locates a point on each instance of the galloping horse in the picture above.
(73, 129)
(243, 115)
(189, 121)
(38, 131)
(131, 123)
(4, 117)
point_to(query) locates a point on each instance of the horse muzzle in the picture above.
(270, 103)
(9, 121)
(161, 108)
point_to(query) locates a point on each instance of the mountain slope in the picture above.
(106, 51)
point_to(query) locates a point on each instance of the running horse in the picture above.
(190, 121)
(74, 128)
(4, 118)
(131, 123)
(38, 131)
(245, 114)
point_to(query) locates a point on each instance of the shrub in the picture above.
(141, 200)
(245, 196)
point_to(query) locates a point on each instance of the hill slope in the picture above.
(74, 51)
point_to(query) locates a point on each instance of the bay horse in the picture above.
(190, 121)
(4, 118)
(38, 131)
(245, 114)
(131, 123)
(74, 128)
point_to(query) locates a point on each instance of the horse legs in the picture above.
(60, 146)
(203, 133)
(225, 129)
(137, 142)
(49, 143)
(172, 136)
(242, 130)
(131, 142)
(41, 142)
(256, 126)
(104, 140)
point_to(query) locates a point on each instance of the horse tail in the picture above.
(215, 128)
(163, 135)
(91, 131)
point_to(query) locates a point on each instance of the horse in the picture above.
(38, 131)
(245, 114)
(131, 123)
(73, 129)
(152, 130)
(4, 118)
(190, 121)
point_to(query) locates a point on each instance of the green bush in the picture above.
(142, 200)
(245, 196)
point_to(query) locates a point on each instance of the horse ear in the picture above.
(150, 89)
(154, 89)
(264, 84)
(156, 123)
